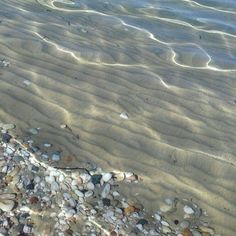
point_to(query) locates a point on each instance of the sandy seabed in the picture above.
(68, 65)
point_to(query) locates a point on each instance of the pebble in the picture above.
(85, 177)
(165, 208)
(6, 138)
(106, 177)
(79, 193)
(47, 145)
(6, 205)
(8, 126)
(124, 115)
(27, 82)
(106, 190)
(142, 222)
(157, 217)
(166, 229)
(196, 233)
(56, 157)
(165, 223)
(54, 186)
(187, 232)
(96, 179)
(188, 210)
(184, 224)
(206, 229)
(90, 186)
(34, 131)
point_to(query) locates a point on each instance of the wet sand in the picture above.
(86, 65)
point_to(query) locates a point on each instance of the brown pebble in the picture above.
(130, 209)
(8, 179)
(187, 232)
(33, 200)
(113, 233)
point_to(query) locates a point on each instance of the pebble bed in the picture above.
(38, 198)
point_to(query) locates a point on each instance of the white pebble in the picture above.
(165, 223)
(90, 186)
(106, 177)
(54, 186)
(85, 177)
(106, 190)
(79, 193)
(124, 115)
(188, 210)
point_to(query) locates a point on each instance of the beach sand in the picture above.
(80, 68)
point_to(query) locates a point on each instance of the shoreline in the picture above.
(76, 199)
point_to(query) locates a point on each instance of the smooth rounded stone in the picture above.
(124, 115)
(196, 233)
(106, 190)
(206, 229)
(37, 179)
(45, 156)
(88, 194)
(66, 196)
(90, 186)
(184, 224)
(9, 196)
(6, 205)
(115, 194)
(72, 202)
(140, 227)
(54, 186)
(188, 210)
(93, 211)
(34, 131)
(27, 82)
(165, 223)
(74, 182)
(79, 193)
(106, 177)
(27, 229)
(63, 126)
(70, 213)
(106, 202)
(96, 179)
(6, 137)
(50, 179)
(165, 208)
(4, 169)
(61, 178)
(10, 150)
(157, 217)
(85, 177)
(142, 222)
(8, 126)
(56, 157)
(47, 145)
(54, 173)
(166, 229)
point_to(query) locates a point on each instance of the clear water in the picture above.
(170, 65)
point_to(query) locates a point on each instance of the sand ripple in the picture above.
(169, 65)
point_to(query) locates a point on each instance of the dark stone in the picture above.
(84, 191)
(106, 202)
(176, 222)
(30, 186)
(6, 138)
(96, 179)
(35, 168)
(142, 222)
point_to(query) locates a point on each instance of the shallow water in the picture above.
(170, 65)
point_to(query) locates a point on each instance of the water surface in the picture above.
(169, 64)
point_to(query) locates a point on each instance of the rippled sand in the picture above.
(170, 66)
